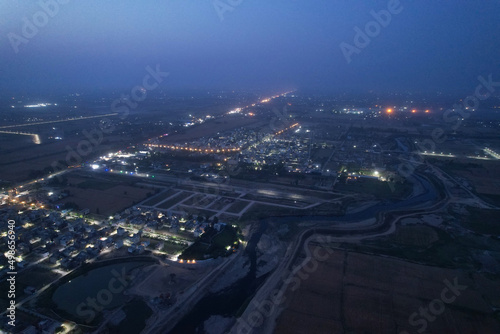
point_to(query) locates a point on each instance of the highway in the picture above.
(56, 121)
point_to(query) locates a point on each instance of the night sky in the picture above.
(259, 44)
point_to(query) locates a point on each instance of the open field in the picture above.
(274, 199)
(259, 210)
(172, 279)
(221, 203)
(20, 156)
(195, 211)
(359, 293)
(107, 202)
(415, 235)
(428, 245)
(210, 189)
(237, 206)
(482, 221)
(173, 201)
(382, 190)
(160, 197)
(200, 200)
(483, 176)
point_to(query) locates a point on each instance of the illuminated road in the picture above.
(36, 138)
(57, 121)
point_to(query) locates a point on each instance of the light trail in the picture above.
(286, 129)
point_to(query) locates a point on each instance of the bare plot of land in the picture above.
(173, 201)
(359, 293)
(238, 206)
(209, 189)
(108, 201)
(221, 203)
(418, 235)
(227, 218)
(277, 200)
(484, 176)
(195, 211)
(160, 197)
(200, 200)
(171, 279)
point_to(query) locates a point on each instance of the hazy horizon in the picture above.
(93, 46)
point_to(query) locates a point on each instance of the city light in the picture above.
(196, 149)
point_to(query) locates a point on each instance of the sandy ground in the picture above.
(157, 279)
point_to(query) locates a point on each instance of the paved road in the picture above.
(351, 231)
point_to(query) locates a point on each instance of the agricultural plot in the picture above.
(106, 201)
(360, 293)
(420, 236)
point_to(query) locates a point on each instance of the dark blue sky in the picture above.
(260, 44)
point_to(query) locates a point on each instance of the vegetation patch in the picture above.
(213, 244)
